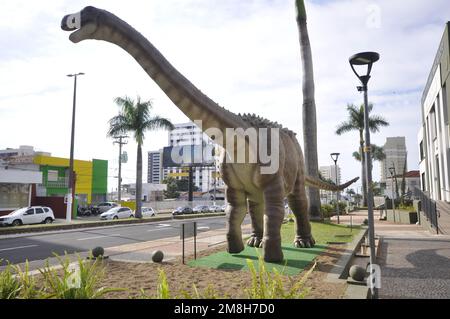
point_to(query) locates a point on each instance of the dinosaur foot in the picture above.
(304, 242)
(254, 241)
(272, 251)
(235, 246)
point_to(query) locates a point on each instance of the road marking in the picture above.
(203, 227)
(18, 247)
(163, 225)
(95, 237)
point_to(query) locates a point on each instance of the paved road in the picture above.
(40, 246)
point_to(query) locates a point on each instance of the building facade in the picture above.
(155, 169)
(433, 136)
(329, 173)
(204, 177)
(396, 156)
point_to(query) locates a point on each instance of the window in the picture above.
(46, 209)
(39, 211)
(30, 212)
(432, 123)
(421, 151)
(52, 176)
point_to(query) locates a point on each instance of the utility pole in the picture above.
(120, 142)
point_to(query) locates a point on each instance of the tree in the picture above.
(308, 110)
(172, 188)
(135, 117)
(377, 153)
(355, 122)
(403, 184)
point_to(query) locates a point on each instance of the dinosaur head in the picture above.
(85, 23)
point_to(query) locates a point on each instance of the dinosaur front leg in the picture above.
(256, 210)
(274, 214)
(298, 202)
(236, 211)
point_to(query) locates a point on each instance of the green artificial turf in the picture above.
(295, 259)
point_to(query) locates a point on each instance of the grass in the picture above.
(295, 259)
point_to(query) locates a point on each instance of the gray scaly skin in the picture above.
(247, 189)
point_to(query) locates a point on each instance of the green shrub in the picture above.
(162, 291)
(75, 283)
(268, 286)
(9, 284)
(28, 288)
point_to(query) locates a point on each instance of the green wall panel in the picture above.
(99, 176)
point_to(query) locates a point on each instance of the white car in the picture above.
(147, 212)
(116, 213)
(28, 215)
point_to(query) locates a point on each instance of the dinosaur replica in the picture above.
(247, 187)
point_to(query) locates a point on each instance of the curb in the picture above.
(96, 224)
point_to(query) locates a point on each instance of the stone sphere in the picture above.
(357, 273)
(98, 252)
(157, 256)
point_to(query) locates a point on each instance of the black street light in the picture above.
(334, 157)
(71, 188)
(367, 59)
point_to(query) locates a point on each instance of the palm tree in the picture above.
(355, 122)
(308, 110)
(377, 154)
(135, 117)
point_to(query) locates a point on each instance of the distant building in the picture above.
(28, 178)
(396, 156)
(204, 176)
(155, 169)
(329, 173)
(412, 180)
(433, 136)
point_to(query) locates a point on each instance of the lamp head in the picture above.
(363, 59)
(391, 170)
(334, 156)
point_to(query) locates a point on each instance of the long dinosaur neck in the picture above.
(188, 98)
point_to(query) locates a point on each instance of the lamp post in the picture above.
(71, 188)
(334, 157)
(361, 60)
(392, 172)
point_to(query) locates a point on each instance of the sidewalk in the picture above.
(414, 262)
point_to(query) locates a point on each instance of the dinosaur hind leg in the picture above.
(256, 210)
(298, 203)
(236, 210)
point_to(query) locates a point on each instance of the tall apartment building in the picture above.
(329, 172)
(396, 156)
(184, 134)
(155, 169)
(433, 136)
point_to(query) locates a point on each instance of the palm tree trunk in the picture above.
(308, 111)
(138, 213)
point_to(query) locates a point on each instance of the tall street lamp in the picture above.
(366, 59)
(334, 157)
(71, 194)
(392, 172)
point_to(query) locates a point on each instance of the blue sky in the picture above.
(242, 54)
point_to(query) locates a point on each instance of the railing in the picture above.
(428, 206)
(61, 182)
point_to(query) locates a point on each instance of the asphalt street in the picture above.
(17, 249)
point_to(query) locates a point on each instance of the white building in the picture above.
(330, 173)
(412, 180)
(433, 137)
(189, 134)
(396, 156)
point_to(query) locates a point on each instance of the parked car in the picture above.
(182, 210)
(201, 209)
(223, 207)
(147, 212)
(105, 206)
(116, 213)
(215, 209)
(28, 215)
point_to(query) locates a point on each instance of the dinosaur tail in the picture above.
(317, 183)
